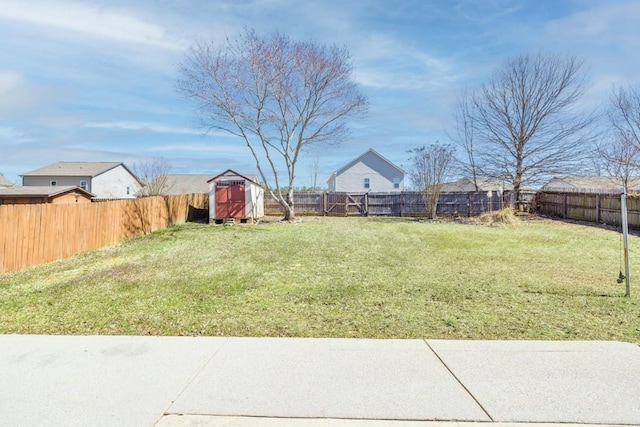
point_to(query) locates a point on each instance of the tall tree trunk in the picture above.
(289, 214)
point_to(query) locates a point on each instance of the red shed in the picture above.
(235, 196)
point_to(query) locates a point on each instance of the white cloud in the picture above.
(90, 20)
(143, 126)
(487, 10)
(18, 95)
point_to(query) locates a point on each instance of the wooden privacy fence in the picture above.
(391, 204)
(39, 233)
(591, 207)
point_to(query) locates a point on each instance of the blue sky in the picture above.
(93, 80)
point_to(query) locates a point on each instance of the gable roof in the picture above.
(186, 184)
(91, 169)
(4, 182)
(42, 191)
(357, 159)
(252, 178)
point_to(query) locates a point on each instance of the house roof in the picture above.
(4, 182)
(75, 169)
(357, 159)
(252, 178)
(187, 184)
(466, 185)
(589, 183)
(41, 191)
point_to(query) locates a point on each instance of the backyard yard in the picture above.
(338, 277)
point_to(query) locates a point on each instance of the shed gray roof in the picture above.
(41, 191)
(74, 169)
(187, 184)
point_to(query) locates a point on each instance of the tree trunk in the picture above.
(289, 214)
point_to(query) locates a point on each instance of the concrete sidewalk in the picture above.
(207, 381)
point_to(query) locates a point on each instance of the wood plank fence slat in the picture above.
(39, 233)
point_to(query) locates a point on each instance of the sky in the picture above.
(95, 80)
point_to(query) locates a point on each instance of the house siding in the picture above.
(113, 184)
(380, 173)
(62, 181)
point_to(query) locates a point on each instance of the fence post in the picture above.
(468, 204)
(366, 204)
(324, 203)
(346, 204)
(564, 205)
(400, 203)
(597, 208)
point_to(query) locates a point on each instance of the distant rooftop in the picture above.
(74, 169)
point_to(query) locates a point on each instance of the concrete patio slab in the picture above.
(217, 421)
(328, 378)
(537, 381)
(95, 380)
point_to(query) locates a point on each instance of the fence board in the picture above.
(39, 233)
(393, 204)
(601, 208)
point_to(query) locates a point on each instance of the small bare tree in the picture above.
(428, 169)
(620, 155)
(464, 137)
(526, 122)
(277, 96)
(153, 174)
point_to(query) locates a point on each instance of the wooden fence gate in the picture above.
(339, 204)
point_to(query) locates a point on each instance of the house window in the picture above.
(396, 182)
(128, 190)
(367, 183)
(54, 183)
(83, 185)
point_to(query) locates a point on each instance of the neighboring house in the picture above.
(4, 182)
(367, 172)
(237, 196)
(590, 184)
(44, 194)
(107, 180)
(466, 185)
(185, 184)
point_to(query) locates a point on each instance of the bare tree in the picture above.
(464, 137)
(153, 174)
(428, 169)
(276, 95)
(526, 121)
(620, 154)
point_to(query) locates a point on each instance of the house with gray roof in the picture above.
(368, 172)
(106, 180)
(4, 182)
(467, 185)
(590, 184)
(186, 184)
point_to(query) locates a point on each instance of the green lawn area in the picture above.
(338, 277)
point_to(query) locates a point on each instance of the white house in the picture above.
(367, 172)
(107, 180)
(232, 195)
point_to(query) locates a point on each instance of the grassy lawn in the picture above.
(338, 277)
